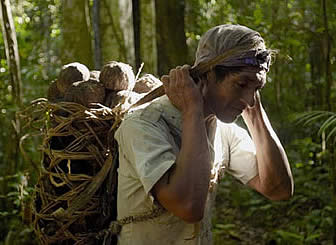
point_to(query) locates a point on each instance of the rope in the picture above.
(116, 225)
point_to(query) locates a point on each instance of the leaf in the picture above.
(5, 213)
(303, 117)
(309, 117)
(320, 30)
(313, 237)
(13, 193)
(235, 235)
(225, 226)
(266, 207)
(331, 121)
(314, 118)
(333, 131)
(289, 236)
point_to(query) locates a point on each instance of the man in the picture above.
(173, 150)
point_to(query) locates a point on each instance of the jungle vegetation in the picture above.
(39, 36)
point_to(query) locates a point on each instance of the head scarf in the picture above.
(251, 50)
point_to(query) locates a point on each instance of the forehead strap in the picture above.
(257, 58)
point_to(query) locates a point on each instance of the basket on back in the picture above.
(75, 196)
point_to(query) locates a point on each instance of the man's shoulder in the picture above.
(149, 113)
(141, 119)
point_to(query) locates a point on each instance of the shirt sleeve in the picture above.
(242, 162)
(148, 148)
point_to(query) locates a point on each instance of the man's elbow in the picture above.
(191, 213)
(189, 209)
(282, 193)
(283, 196)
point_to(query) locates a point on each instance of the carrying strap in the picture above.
(116, 225)
(195, 73)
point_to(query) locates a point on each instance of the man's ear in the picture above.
(205, 80)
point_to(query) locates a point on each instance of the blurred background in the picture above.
(39, 36)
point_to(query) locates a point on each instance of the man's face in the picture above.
(228, 98)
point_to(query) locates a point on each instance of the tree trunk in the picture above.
(136, 30)
(327, 46)
(126, 25)
(148, 37)
(171, 40)
(11, 47)
(76, 35)
(13, 61)
(277, 80)
(12, 156)
(96, 31)
(114, 45)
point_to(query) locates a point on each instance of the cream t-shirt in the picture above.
(149, 141)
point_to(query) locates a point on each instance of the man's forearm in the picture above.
(275, 177)
(183, 189)
(192, 174)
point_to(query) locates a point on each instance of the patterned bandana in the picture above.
(257, 58)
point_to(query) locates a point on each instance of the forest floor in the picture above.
(243, 216)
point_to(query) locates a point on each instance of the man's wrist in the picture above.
(192, 112)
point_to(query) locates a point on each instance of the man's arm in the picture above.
(183, 189)
(275, 179)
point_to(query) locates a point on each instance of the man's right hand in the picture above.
(182, 91)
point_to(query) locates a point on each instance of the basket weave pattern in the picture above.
(74, 194)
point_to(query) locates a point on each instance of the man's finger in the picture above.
(185, 71)
(165, 79)
(172, 77)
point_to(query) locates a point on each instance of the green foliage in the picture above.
(245, 217)
(296, 84)
(38, 35)
(326, 119)
(18, 199)
(37, 25)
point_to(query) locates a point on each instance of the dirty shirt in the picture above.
(149, 140)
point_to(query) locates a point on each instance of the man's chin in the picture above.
(229, 119)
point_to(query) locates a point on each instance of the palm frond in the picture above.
(327, 119)
(330, 122)
(332, 132)
(311, 116)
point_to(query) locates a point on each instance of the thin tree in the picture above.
(77, 45)
(96, 33)
(136, 30)
(327, 55)
(13, 62)
(171, 39)
(328, 77)
(11, 47)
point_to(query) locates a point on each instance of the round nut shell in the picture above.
(117, 76)
(71, 73)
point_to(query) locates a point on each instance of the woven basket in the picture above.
(74, 196)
